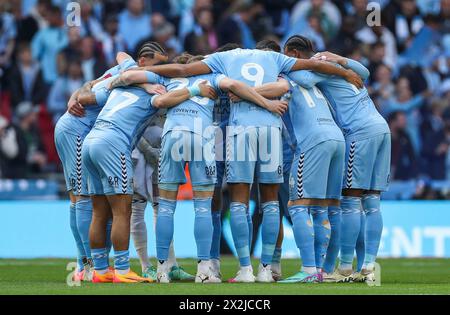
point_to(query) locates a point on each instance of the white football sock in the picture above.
(139, 230)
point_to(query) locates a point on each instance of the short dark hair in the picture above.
(149, 49)
(268, 44)
(300, 43)
(227, 47)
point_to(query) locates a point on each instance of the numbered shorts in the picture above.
(69, 146)
(368, 163)
(109, 168)
(317, 172)
(255, 152)
(181, 147)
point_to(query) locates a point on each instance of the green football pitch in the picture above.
(398, 276)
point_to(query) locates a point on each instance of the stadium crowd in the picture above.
(44, 59)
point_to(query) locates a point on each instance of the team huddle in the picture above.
(299, 124)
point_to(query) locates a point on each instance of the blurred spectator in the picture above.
(407, 23)
(92, 63)
(22, 151)
(134, 24)
(27, 25)
(48, 42)
(9, 148)
(164, 33)
(188, 18)
(358, 10)
(26, 82)
(436, 136)
(63, 88)
(382, 89)
(345, 41)
(423, 48)
(403, 157)
(38, 12)
(377, 53)
(8, 34)
(112, 41)
(236, 28)
(406, 102)
(90, 26)
(203, 39)
(71, 51)
(325, 12)
(378, 33)
(445, 16)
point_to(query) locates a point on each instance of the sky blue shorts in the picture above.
(255, 152)
(68, 145)
(179, 147)
(317, 172)
(108, 168)
(368, 163)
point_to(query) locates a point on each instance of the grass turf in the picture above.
(399, 276)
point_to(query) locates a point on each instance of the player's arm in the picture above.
(328, 68)
(74, 106)
(347, 63)
(306, 79)
(176, 97)
(133, 77)
(122, 57)
(245, 92)
(180, 70)
(273, 89)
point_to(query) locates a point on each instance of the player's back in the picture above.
(82, 125)
(311, 117)
(196, 113)
(124, 116)
(354, 110)
(254, 68)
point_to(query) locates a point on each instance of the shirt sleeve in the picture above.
(306, 78)
(216, 81)
(354, 65)
(127, 64)
(214, 62)
(154, 78)
(284, 62)
(101, 96)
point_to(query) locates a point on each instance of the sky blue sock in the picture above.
(250, 228)
(84, 218)
(108, 243)
(334, 216)
(360, 248)
(81, 253)
(203, 227)
(322, 231)
(100, 258)
(270, 227)
(303, 234)
(217, 234)
(121, 259)
(164, 227)
(351, 222)
(276, 259)
(240, 231)
(374, 227)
